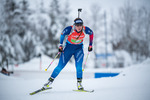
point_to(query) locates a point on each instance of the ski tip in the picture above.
(45, 69)
(40, 90)
(31, 93)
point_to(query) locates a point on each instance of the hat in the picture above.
(78, 21)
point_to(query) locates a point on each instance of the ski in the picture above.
(40, 90)
(90, 91)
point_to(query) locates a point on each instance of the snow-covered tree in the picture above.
(25, 33)
(96, 24)
(131, 31)
(57, 20)
(27, 43)
(8, 28)
(142, 30)
(13, 31)
(64, 17)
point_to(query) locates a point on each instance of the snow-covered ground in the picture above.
(133, 83)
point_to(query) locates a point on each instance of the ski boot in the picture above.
(49, 82)
(79, 85)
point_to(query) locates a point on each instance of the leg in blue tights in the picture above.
(79, 56)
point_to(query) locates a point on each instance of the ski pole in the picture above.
(52, 61)
(85, 62)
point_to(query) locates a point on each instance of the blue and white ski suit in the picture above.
(72, 47)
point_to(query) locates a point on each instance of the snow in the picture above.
(132, 84)
(34, 64)
(125, 56)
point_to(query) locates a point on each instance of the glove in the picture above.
(60, 48)
(90, 48)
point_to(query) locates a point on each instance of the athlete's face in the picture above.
(78, 27)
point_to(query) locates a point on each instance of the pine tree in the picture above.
(28, 43)
(51, 43)
(7, 30)
(132, 32)
(96, 25)
(64, 17)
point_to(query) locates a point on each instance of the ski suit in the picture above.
(74, 47)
